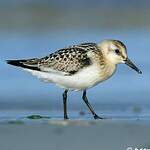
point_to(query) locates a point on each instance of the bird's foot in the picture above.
(66, 117)
(97, 117)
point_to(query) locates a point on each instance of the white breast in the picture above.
(86, 78)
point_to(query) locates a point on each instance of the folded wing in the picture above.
(66, 61)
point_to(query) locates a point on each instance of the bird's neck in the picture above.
(107, 69)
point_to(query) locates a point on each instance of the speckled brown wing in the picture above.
(67, 61)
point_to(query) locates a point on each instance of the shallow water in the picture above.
(19, 90)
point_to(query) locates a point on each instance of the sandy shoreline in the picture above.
(77, 134)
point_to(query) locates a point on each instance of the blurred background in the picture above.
(34, 28)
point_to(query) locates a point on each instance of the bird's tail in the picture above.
(28, 64)
(18, 63)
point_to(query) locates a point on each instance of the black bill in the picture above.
(131, 64)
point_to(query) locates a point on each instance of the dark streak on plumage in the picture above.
(22, 63)
(120, 43)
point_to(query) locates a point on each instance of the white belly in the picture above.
(84, 79)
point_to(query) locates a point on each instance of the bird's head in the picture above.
(115, 52)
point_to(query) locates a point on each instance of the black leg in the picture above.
(84, 97)
(65, 104)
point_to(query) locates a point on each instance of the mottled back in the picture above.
(66, 61)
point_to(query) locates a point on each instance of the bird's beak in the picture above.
(131, 64)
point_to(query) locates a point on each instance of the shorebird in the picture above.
(78, 67)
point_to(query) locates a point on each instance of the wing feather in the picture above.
(65, 61)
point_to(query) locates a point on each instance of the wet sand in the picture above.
(75, 134)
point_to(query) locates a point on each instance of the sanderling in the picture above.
(78, 67)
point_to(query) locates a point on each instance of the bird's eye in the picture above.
(117, 51)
